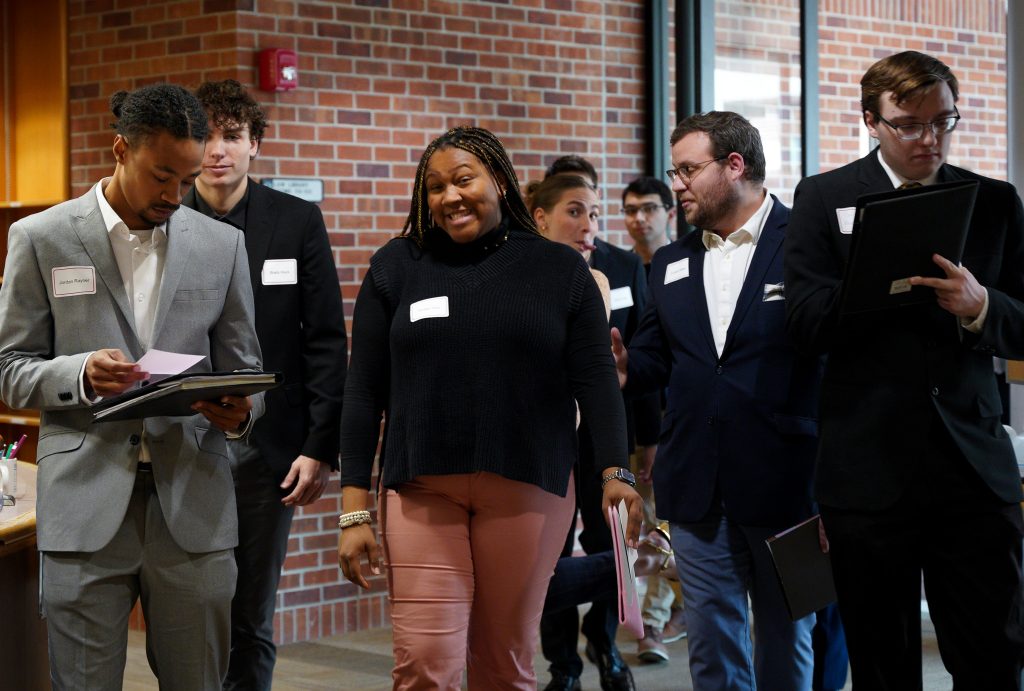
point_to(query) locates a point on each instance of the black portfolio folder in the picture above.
(895, 235)
(175, 395)
(804, 571)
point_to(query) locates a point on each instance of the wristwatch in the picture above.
(620, 474)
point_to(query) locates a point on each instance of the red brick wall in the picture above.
(380, 78)
(856, 33)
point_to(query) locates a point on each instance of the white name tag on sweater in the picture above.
(621, 297)
(73, 280)
(677, 270)
(430, 308)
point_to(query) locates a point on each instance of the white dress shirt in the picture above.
(725, 268)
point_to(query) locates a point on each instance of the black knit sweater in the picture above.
(491, 386)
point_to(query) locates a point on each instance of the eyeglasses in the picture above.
(687, 172)
(915, 130)
(649, 209)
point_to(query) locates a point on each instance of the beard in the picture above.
(713, 204)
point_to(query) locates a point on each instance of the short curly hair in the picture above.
(227, 103)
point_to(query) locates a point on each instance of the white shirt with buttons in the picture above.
(725, 268)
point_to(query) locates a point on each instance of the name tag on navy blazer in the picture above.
(677, 270)
(621, 297)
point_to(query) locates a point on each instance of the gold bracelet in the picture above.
(347, 520)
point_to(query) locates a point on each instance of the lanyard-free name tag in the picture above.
(621, 297)
(73, 280)
(676, 270)
(280, 272)
(845, 217)
(430, 308)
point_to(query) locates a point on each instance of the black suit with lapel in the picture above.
(301, 328)
(914, 470)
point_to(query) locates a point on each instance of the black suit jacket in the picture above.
(300, 326)
(739, 431)
(890, 373)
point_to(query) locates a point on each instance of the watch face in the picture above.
(627, 476)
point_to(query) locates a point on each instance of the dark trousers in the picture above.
(579, 580)
(263, 526)
(559, 630)
(967, 543)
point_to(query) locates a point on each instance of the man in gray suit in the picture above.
(138, 508)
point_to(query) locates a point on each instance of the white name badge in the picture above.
(431, 308)
(280, 272)
(73, 280)
(676, 270)
(621, 297)
(845, 217)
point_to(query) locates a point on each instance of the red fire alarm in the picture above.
(279, 69)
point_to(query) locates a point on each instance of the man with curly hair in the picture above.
(301, 328)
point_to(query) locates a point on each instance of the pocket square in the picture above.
(773, 291)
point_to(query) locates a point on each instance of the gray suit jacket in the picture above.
(87, 470)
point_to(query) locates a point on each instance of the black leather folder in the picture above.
(895, 235)
(175, 395)
(804, 571)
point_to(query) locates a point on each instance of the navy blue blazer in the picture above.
(740, 430)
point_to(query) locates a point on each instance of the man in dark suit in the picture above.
(915, 474)
(736, 452)
(559, 631)
(301, 328)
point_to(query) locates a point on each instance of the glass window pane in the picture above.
(757, 74)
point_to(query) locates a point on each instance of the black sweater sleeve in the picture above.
(367, 385)
(593, 378)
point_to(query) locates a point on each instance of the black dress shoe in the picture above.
(563, 682)
(615, 674)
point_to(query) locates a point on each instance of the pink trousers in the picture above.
(468, 559)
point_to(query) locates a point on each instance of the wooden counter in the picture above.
(23, 659)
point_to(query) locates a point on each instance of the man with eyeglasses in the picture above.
(915, 474)
(736, 453)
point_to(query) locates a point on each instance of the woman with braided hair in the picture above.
(472, 335)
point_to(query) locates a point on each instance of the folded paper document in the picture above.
(175, 395)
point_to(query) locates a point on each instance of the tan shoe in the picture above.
(650, 648)
(675, 629)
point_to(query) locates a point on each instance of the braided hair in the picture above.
(158, 108)
(490, 151)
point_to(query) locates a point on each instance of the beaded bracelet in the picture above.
(347, 520)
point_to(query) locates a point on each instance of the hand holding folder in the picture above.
(175, 395)
(625, 558)
(804, 571)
